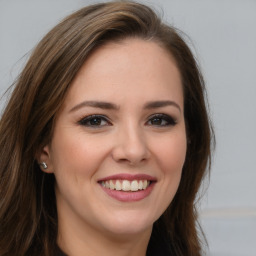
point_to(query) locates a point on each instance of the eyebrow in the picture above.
(112, 106)
(95, 104)
(160, 104)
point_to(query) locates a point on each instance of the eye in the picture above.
(161, 120)
(94, 121)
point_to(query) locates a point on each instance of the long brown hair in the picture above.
(28, 215)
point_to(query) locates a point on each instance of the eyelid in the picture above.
(170, 119)
(84, 119)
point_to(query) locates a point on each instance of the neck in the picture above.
(77, 244)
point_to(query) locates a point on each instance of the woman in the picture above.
(105, 140)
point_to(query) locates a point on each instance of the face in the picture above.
(119, 142)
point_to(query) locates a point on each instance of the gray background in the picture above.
(224, 40)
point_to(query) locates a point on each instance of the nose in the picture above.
(130, 146)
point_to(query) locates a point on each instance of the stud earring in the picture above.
(44, 165)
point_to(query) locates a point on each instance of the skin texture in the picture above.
(127, 140)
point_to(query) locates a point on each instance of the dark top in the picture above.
(155, 253)
(152, 251)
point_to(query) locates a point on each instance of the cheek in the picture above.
(75, 161)
(75, 155)
(172, 153)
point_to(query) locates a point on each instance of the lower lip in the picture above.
(124, 196)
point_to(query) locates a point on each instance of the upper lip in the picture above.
(130, 177)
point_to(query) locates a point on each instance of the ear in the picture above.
(44, 159)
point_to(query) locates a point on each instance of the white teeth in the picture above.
(145, 184)
(111, 185)
(134, 185)
(118, 185)
(126, 185)
(140, 185)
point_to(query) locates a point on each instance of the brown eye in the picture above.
(94, 121)
(161, 120)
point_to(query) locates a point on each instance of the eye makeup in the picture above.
(95, 121)
(161, 120)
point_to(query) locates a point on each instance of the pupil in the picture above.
(156, 121)
(95, 121)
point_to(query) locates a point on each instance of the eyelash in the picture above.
(167, 119)
(85, 121)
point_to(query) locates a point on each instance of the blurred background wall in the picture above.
(224, 40)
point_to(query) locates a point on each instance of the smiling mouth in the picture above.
(126, 185)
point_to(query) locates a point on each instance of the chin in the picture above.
(130, 224)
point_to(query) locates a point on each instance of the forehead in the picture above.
(128, 52)
(132, 67)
